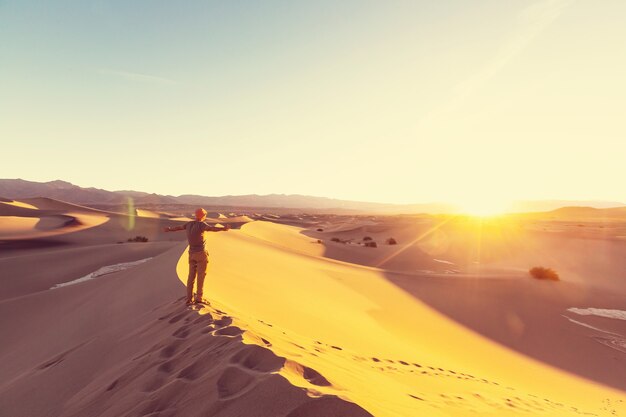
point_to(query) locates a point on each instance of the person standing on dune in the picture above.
(198, 254)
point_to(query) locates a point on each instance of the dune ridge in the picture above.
(375, 345)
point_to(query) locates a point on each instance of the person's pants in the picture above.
(198, 262)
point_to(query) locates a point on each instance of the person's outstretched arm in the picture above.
(174, 229)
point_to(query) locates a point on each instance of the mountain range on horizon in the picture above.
(65, 191)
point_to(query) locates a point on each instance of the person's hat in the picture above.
(200, 213)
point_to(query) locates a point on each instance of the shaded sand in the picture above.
(23, 275)
(126, 345)
(346, 330)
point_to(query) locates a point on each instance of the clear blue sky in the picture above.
(404, 101)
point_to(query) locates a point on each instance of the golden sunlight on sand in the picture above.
(375, 344)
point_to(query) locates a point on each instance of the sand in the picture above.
(380, 346)
(297, 328)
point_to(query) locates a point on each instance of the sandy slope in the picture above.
(377, 345)
(23, 275)
(593, 256)
(124, 344)
(290, 333)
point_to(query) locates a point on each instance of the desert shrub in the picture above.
(391, 241)
(319, 241)
(138, 239)
(371, 244)
(335, 239)
(540, 272)
(320, 230)
(367, 238)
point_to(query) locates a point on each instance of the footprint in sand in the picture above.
(257, 358)
(166, 367)
(177, 317)
(190, 373)
(182, 332)
(223, 322)
(207, 329)
(309, 374)
(204, 318)
(230, 331)
(233, 383)
(169, 350)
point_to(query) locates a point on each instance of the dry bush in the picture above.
(371, 244)
(137, 239)
(367, 238)
(320, 230)
(391, 241)
(540, 272)
(335, 239)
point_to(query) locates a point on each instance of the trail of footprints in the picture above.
(191, 354)
(238, 377)
(517, 401)
(248, 365)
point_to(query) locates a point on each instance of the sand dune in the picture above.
(376, 345)
(17, 204)
(160, 215)
(19, 228)
(125, 345)
(230, 220)
(149, 213)
(294, 329)
(21, 220)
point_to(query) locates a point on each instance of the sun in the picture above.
(483, 208)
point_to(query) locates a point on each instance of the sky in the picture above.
(398, 102)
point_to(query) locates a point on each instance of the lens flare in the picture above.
(130, 204)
